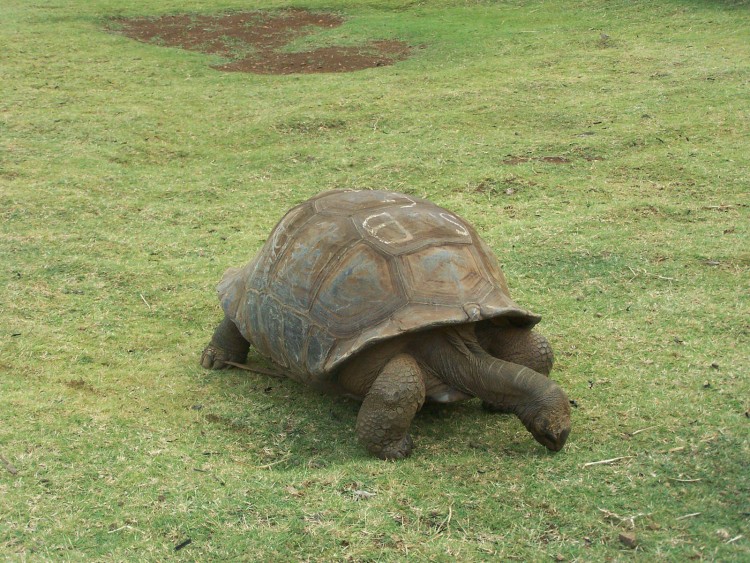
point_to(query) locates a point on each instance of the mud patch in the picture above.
(254, 41)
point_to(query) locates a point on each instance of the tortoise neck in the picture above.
(457, 358)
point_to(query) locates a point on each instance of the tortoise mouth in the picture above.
(550, 440)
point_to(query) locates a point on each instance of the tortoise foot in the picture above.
(397, 450)
(227, 345)
(217, 358)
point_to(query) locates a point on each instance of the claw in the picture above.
(212, 358)
(401, 450)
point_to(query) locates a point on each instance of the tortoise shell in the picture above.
(347, 269)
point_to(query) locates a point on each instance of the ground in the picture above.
(132, 175)
(255, 41)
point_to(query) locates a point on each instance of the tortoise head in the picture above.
(548, 418)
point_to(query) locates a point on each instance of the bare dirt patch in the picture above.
(254, 41)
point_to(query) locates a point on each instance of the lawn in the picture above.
(601, 149)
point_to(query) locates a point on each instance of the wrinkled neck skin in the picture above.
(454, 355)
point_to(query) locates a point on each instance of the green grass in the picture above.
(132, 175)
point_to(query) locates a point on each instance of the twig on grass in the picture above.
(256, 369)
(267, 465)
(9, 466)
(360, 494)
(121, 528)
(735, 538)
(215, 477)
(445, 524)
(185, 543)
(270, 465)
(640, 271)
(691, 515)
(630, 520)
(144, 300)
(683, 480)
(643, 430)
(607, 461)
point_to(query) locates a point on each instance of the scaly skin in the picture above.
(518, 345)
(227, 345)
(454, 355)
(521, 346)
(388, 408)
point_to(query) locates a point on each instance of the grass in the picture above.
(132, 175)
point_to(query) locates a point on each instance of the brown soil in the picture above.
(253, 41)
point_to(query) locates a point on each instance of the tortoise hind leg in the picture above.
(395, 396)
(227, 345)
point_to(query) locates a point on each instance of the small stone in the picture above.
(628, 540)
(722, 534)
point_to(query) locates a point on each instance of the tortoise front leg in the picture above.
(227, 345)
(384, 419)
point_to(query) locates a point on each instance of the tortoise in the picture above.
(394, 301)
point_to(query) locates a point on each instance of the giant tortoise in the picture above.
(395, 301)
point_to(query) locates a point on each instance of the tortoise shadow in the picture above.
(290, 425)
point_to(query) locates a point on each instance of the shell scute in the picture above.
(346, 203)
(399, 230)
(295, 275)
(445, 274)
(320, 342)
(361, 291)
